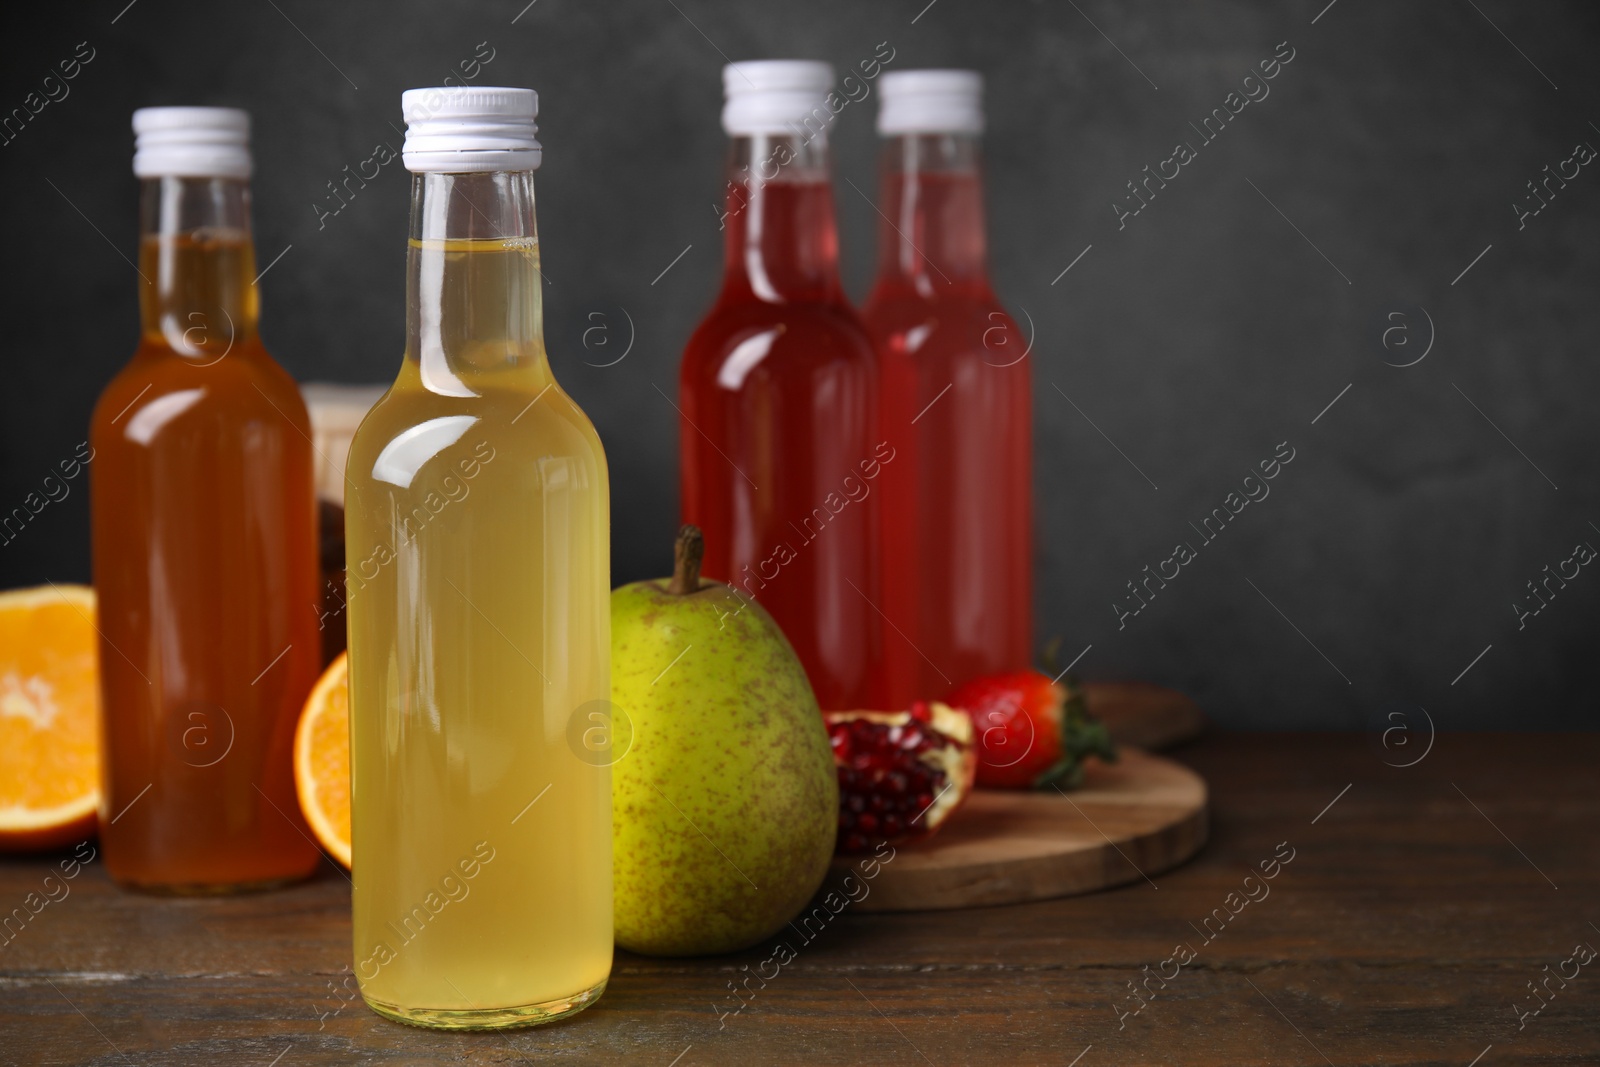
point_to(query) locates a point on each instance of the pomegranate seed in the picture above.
(887, 777)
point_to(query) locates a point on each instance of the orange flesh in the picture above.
(49, 708)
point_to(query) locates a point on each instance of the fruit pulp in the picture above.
(477, 546)
(778, 441)
(49, 719)
(205, 564)
(956, 402)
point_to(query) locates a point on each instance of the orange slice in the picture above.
(322, 760)
(49, 717)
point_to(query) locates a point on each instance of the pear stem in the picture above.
(688, 551)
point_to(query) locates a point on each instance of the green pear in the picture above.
(726, 803)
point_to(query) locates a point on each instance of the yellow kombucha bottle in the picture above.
(477, 536)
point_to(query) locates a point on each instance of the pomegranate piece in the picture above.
(901, 773)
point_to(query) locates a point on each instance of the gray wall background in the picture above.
(1219, 322)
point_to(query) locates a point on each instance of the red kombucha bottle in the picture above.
(955, 402)
(780, 457)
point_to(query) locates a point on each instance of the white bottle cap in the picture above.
(461, 128)
(930, 101)
(776, 96)
(191, 142)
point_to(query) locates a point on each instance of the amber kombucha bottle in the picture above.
(204, 541)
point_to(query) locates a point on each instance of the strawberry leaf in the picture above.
(1081, 737)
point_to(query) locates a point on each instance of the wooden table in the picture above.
(1419, 904)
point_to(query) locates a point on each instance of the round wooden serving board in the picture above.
(1143, 714)
(1141, 814)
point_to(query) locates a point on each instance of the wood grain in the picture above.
(1139, 816)
(1401, 934)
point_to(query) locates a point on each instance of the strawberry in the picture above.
(1033, 732)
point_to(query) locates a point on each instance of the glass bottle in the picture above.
(204, 541)
(779, 450)
(956, 401)
(477, 537)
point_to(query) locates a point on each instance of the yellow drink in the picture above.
(477, 545)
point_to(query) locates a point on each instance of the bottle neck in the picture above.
(781, 242)
(932, 235)
(197, 266)
(474, 306)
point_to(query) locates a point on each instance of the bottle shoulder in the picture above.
(742, 334)
(903, 322)
(160, 396)
(410, 427)
(898, 302)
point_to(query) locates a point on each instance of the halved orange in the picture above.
(49, 717)
(322, 759)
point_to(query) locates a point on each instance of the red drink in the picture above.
(956, 402)
(779, 452)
